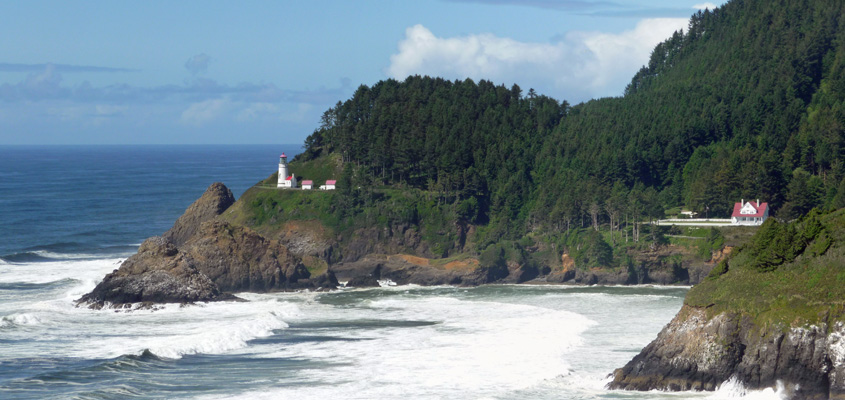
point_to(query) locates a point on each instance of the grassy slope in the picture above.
(274, 212)
(806, 291)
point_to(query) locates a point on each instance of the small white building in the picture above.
(287, 180)
(307, 185)
(688, 214)
(330, 185)
(750, 213)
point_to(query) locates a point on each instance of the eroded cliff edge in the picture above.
(773, 312)
(699, 352)
(203, 259)
(282, 240)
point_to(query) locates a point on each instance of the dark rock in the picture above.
(597, 276)
(157, 274)
(694, 352)
(402, 272)
(363, 282)
(238, 259)
(327, 281)
(216, 199)
(219, 258)
(202, 259)
(396, 239)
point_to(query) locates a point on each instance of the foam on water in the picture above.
(171, 331)
(476, 348)
(85, 271)
(21, 319)
(734, 389)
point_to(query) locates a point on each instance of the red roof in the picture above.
(307, 182)
(331, 182)
(761, 210)
(283, 155)
(288, 178)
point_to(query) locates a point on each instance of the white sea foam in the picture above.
(54, 271)
(22, 319)
(66, 256)
(734, 389)
(170, 331)
(477, 348)
(397, 341)
(207, 336)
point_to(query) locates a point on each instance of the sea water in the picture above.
(69, 215)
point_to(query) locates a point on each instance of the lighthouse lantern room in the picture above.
(287, 180)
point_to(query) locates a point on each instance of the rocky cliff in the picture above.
(772, 312)
(216, 199)
(697, 352)
(220, 246)
(203, 259)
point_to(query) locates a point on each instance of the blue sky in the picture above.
(161, 72)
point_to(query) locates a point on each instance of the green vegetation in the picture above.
(318, 171)
(789, 274)
(267, 209)
(748, 102)
(713, 241)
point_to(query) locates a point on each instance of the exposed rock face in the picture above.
(307, 239)
(158, 273)
(402, 271)
(238, 259)
(216, 199)
(694, 352)
(393, 240)
(202, 259)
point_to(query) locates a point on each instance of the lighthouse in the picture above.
(287, 180)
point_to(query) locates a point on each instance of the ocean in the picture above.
(71, 214)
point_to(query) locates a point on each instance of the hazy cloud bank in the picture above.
(576, 67)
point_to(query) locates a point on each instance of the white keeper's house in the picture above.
(330, 185)
(750, 213)
(307, 185)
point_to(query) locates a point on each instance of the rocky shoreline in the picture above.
(697, 352)
(204, 257)
(201, 259)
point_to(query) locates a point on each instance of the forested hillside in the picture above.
(745, 103)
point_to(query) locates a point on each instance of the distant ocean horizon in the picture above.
(70, 198)
(71, 214)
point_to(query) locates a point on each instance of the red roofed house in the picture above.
(285, 181)
(307, 185)
(750, 213)
(328, 186)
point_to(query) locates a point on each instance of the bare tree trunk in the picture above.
(594, 215)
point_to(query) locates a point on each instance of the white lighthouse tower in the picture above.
(286, 179)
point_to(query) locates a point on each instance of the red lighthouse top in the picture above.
(283, 155)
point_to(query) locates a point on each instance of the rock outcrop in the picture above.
(694, 352)
(202, 259)
(405, 270)
(216, 199)
(158, 273)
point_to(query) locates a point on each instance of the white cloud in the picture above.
(577, 67)
(198, 114)
(707, 5)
